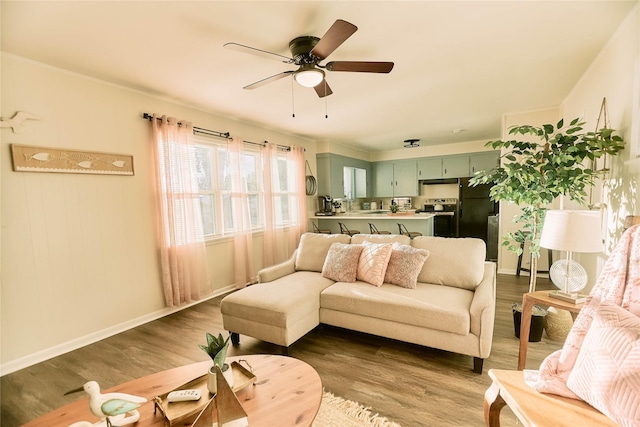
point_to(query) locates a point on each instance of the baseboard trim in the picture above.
(511, 272)
(57, 350)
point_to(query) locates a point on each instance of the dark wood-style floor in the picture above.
(410, 384)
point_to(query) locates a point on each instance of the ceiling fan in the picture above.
(308, 51)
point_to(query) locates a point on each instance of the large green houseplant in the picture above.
(553, 161)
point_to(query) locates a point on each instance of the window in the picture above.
(214, 177)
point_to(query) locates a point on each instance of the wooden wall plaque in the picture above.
(46, 159)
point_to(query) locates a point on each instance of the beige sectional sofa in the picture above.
(450, 307)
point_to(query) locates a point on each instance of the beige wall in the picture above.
(614, 75)
(78, 253)
(610, 76)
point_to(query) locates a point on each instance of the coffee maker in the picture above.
(325, 205)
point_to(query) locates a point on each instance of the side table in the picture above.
(533, 408)
(528, 301)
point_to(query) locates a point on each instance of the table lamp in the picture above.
(570, 231)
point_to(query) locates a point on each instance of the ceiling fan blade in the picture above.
(268, 80)
(323, 89)
(258, 52)
(334, 37)
(360, 66)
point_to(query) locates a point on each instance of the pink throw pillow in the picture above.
(404, 265)
(341, 263)
(373, 262)
(607, 371)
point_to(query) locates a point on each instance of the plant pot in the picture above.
(212, 383)
(537, 321)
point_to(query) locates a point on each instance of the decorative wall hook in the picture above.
(17, 122)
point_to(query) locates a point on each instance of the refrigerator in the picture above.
(475, 209)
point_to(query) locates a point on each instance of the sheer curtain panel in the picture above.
(284, 173)
(300, 198)
(245, 270)
(179, 219)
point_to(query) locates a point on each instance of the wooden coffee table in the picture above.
(287, 391)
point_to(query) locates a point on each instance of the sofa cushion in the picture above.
(429, 306)
(341, 263)
(381, 238)
(607, 371)
(455, 262)
(404, 265)
(280, 303)
(313, 249)
(373, 261)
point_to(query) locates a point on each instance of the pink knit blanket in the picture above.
(619, 283)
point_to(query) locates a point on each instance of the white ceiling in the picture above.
(458, 64)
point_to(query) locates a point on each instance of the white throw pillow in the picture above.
(373, 262)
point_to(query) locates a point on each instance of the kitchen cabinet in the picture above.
(483, 161)
(383, 180)
(455, 166)
(331, 174)
(430, 168)
(395, 179)
(443, 167)
(405, 182)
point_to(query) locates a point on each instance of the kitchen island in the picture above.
(386, 221)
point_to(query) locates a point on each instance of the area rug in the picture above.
(338, 412)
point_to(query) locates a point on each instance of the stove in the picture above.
(446, 213)
(447, 205)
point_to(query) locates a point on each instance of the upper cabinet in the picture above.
(483, 161)
(430, 168)
(347, 178)
(383, 179)
(342, 177)
(395, 179)
(443, 167)
(456, 166)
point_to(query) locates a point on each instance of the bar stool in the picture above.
(404, 231)
(521, 268)
(317, 230)
(374, 230)
(345, 230)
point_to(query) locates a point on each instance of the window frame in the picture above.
(217, 192)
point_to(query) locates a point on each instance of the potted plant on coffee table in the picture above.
(217, 348)
(552, 161)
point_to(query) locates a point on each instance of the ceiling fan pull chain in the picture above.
(326, 109)
(293, 101)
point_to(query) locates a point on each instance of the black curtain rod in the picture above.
(203, 131)
(215, 133)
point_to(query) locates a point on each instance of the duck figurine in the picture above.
(122, 406)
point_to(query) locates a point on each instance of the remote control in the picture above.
(182, 395)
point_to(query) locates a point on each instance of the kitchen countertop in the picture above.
(386, 215)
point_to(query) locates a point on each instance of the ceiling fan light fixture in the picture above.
(411, 143)
(309, 76)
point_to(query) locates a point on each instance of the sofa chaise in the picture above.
(432, 291)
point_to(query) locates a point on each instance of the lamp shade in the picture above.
(572, 230)
(308, 76)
